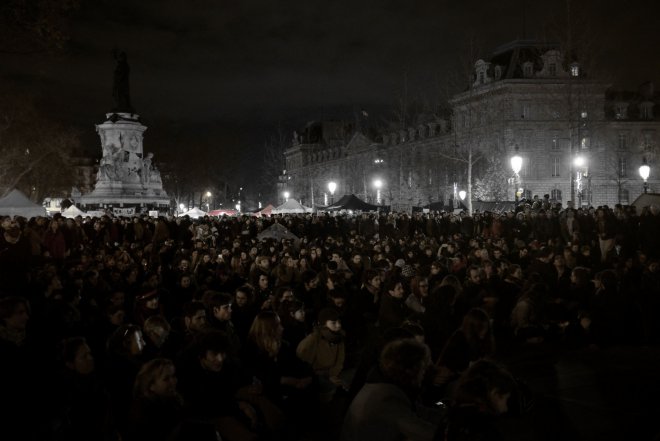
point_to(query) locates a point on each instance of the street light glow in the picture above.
(332, 186)
(286, 195)
(516, 163)
(208, 194)
(462, 194)
(644, 170)
(579, 161)
(378, 183)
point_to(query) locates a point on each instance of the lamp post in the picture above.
(208, 200)
(332, 186)
(286, 195)
(644, 172)
(516, 166)
(378, 184)
(580, 164)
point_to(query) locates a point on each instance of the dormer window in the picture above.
(575, 70)
(621, 111)
(552, 69)
(527, 70)
(482, 76)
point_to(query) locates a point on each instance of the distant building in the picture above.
(529, 99)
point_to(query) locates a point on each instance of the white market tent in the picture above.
(194, 213)
(17, 204)
(277, 232)
(73, 211)
(291, 206)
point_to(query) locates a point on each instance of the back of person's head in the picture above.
(404, 362)
(216, 341)
(190, 308)
(155, 322)
(608, 279)
(265, 332)
(481, 382)
(9, 306)
(307, 276)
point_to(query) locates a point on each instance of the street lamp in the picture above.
(580, 163)
(378, 184)
(516, 166)
(208, 200)
(332, 186)
(644, 172)
(286, 195)
(462, 194)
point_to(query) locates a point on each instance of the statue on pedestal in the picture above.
(120, 86)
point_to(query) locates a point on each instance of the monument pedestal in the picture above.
(126, 177)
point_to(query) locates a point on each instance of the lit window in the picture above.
(556, 166)
(584, 114)
(622, 141)
(575, 70)
(622, 167)
(555, 143)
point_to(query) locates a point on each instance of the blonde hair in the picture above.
(264, 332)
(149, 373)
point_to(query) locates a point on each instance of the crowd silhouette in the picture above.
(380, 326)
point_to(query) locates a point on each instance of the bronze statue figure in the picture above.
(120, 87)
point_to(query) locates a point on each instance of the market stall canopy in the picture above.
(291, 206)
(352, 202)
(195, 213)
(222, 212)
(17, 204)
(266, 211)
(73, 211)
(277, 232)
(646, 200)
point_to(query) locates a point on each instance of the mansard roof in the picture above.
(513, 55)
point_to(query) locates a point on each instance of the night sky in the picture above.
(232, 71)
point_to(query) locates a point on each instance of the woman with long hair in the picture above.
(156, 410)
(276, 371)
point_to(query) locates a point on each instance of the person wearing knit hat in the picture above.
(324, 351)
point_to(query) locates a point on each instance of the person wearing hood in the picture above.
(385, 408)
(324, 351)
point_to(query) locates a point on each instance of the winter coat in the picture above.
(325, 357)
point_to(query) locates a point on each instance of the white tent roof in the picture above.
(291, 206)
(73, 211)
(194, 213)
(17, 204)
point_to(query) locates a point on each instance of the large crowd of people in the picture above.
(396, 325)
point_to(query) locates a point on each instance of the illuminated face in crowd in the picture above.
(197, 322)
(241, 298)
(397, 292)
(213, 361)
(223, 313)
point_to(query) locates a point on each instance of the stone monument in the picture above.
(127, 179)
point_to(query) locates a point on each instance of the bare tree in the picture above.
(35, 150)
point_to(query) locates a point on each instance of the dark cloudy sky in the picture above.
(237, 69)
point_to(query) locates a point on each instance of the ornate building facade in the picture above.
(579, 141)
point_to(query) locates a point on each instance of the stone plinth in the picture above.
(126, 175)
